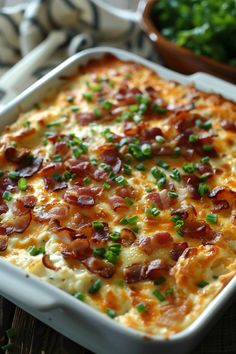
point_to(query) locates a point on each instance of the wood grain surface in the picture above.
(34, 337)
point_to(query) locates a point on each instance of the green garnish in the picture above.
(13, 174)
(158, 109)
(106, 185)
(159, 139)
(112, 252)
(79, 296)
(129, 201)
(141, 307)
(146, 150)
(74, 109)
(207, 147)
(121, 180)
(175, 175)
(158, 295)
(189, 167)
(205, 159)
(203, 189)
(87, 180)
(57, 158)
(204, 125)
(114, 236)
(129, 221)
(152, 212)
(99, 252)
(212, 218)
(33, 251)
(193, 138)
(202, 283)
(127, 169)
(88, 96)
(163, 164)
(53, 124)
(94, 288)
(98, 224)
(111, 313)
(140, 167)
(7, 196)
(169, 291)
(134, 108)
(22, 184)
(148, 189)
(70, 99)
(97, 112)
(96, 88)
(176, 151)
(106, 104)
(172, 194)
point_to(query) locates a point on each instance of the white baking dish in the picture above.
(61, 311)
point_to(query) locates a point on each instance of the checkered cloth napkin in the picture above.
(84, 24)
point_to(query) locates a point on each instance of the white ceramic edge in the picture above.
(26, 294)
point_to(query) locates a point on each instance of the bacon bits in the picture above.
(151, 271)
(118, 203)
(109, 155)
(229, 125)
(16, 155)
(30, 167)
(3, 242)
(155, 269)
(198, 229)
(149, 244)
(134, 273)
(78, 249)
(127, 237)
(82, 196)
(51, 212)
(86, 118)
(19, 225)
(178, 249)
(48, 263)
(51, 183)
(223, 193)
(100, 267)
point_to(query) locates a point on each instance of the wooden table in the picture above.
(34, 337)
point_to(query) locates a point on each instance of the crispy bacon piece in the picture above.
(29, 201)
(192, 183)
(100, 267)
(185, 212)
(3, 242)
(82, 196)
(229, 125)
(82, 168)
(185, 120)
(135, 273)
(155, 269)
(3, 206)
(150, 244)
(205, 168)
(16, 155)
(223, 193)
(127, 237)
(19, 208)
(198, 229)
(109, 155)
(19, 224)
(130, 129)
(150, 133)
(48, 263)
(78, 249)
(100, 236)
(220, 205)
(178, 249)
(86, 118)
(29, 168)
(61, 148)
(8, 184)
(52, 212)
(161, 199)
(48, 173)
(127, 95)
(126, 192)
(118, 203)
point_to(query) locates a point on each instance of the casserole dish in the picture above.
(60, 310)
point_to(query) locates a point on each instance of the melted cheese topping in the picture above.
(104, 169)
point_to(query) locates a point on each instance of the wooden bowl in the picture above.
(179, 58)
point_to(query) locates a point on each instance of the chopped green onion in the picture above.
(77, 152)
(172, 194)
(94, 288)
(74, 108)
(111, 313)
(79, 296)
(193, 138)
(203, 189)
(22, 184)
(99, 252)
(176, 151)
(106, 185)
(169, 291)
(114, 236)
(175, 174)
(33, 251)
(159, 139)
(106, 104)
(152, 212)
(53, 124)
(203, 125)
(212, 218)
(70, 99)
(133, 108)
(207, 147)
(98, 224)
(96, 88)
(121, 180)
(88, 96)
(202, 284)
(7, 196)
(163, 164)
(129, 221)
(161, 182)
(146, 150)
(127, 169)
(87, 180)
(140, 167)
(189, 167)
(158, 295)
(129, 201)
(148, 189)
(97, 112)
(205, 159)
(158, 109)
(57, 158)
(13, 174)
(141, 307)
(1, 173)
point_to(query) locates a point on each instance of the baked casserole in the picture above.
(120, 189)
